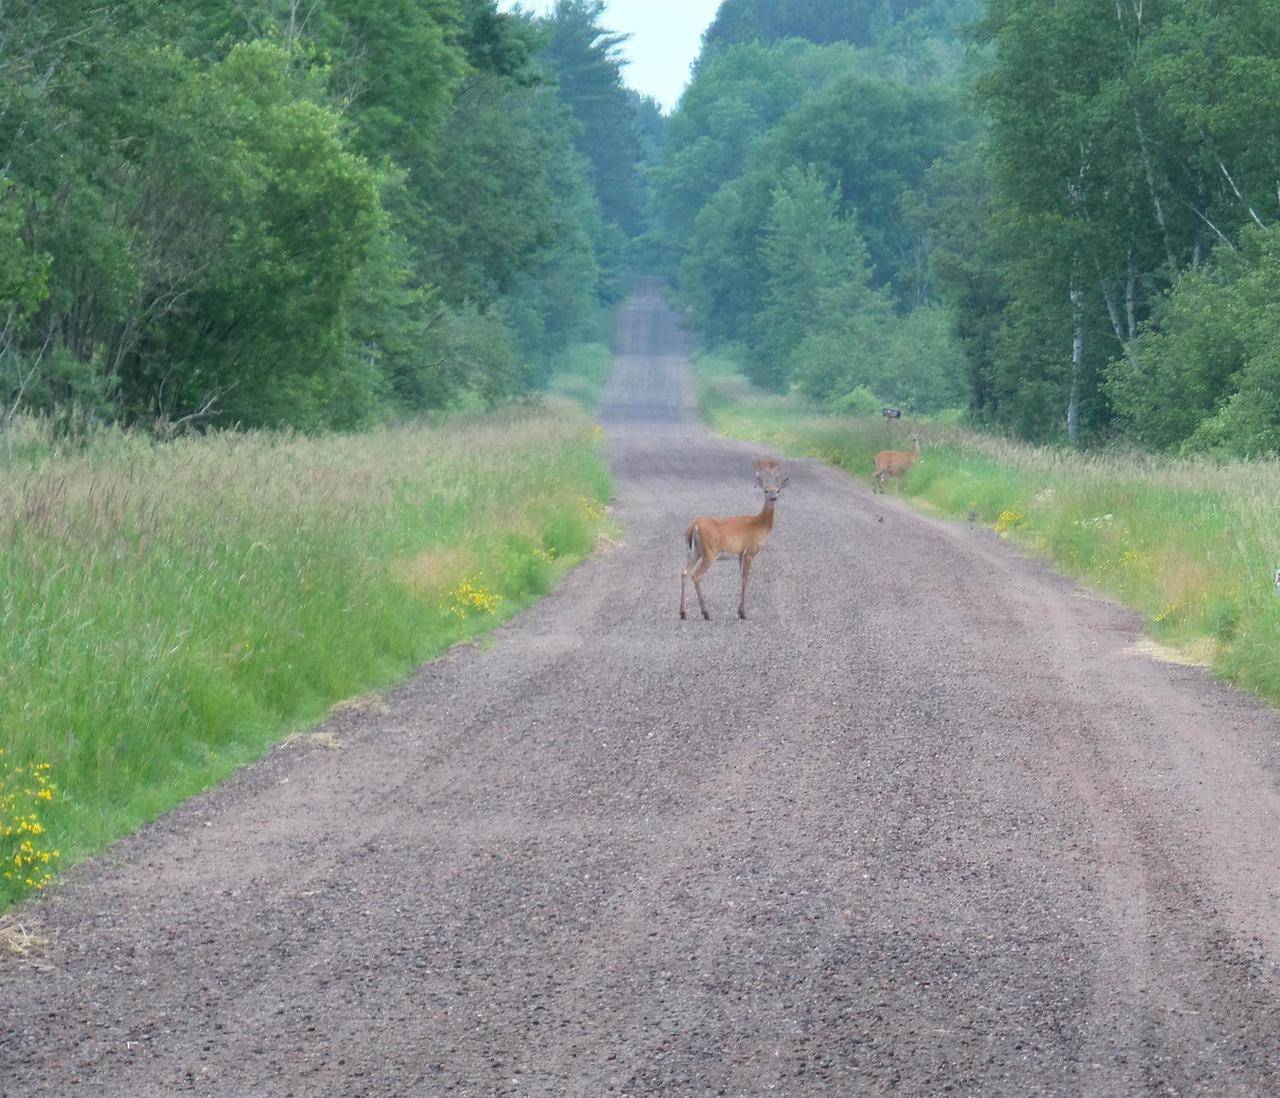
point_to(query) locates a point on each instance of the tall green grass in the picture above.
(580, 374)
(167, 612)
(1192, 544)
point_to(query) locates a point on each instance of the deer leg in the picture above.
(746, 576)
(696, 576)
(691, 541)
(695, 555)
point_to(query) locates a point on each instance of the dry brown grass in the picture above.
(366, 705)
(1200, 653)
(327, 740)
(19, 940)
(433, 570)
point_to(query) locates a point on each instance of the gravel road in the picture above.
(925, 822)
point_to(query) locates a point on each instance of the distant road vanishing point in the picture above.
(926, 820)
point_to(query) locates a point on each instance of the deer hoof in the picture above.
(684, 616)
(742, 614)
(706, 615)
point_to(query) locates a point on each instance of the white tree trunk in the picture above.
(1156, 204)
(1113, 312)
(1131, 298)
(1243, 201)
(1077, 363)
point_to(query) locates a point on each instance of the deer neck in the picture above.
(765, 518)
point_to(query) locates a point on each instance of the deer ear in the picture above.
(785, 482)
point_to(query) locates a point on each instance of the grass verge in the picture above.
(168, 612)
(1193, 545)
(580, 374)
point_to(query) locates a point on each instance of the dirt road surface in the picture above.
(925, 822)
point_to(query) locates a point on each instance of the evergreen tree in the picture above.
(587, 62)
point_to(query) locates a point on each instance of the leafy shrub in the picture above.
(1205, 375)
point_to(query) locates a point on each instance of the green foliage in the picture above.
(586, 60)
(875, 138)
(268, 219)
(787, 202)
(215, 223)
(870, 357)
(1206, 374)
(954, 211)
(1073, 221)
(861, 22)
(579, 374)
(1248, 423)
(858, 401)
(394, 64)
(917, 364)
(273, 214)
(24, 273)
(817, 275)
(497, 204)
(739, 95)
(869, 138)
(1125, 145)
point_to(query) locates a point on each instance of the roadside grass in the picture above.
(580, 374)
(1191, 544)
(167, 612)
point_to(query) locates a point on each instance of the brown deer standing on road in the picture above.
(893, 463)
(742, 536)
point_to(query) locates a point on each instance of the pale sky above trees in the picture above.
(665, 38)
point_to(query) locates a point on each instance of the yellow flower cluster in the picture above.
(25, 861)
(595, 510)
(1007, 521)
(470, 598)
(829, 455)
(547, 555)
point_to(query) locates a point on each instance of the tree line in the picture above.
(308, 214)
(780, 203)
(1061, 216)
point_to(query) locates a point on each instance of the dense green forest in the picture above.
(309, 214)
(783, 205)
(1063, 217)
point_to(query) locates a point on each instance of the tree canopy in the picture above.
(780, 199)
(277, 213)
(1073, 203)
(859, 22)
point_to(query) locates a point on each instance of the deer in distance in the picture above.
(894, 463)
(742, 536)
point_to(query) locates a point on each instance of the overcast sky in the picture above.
(665, 38)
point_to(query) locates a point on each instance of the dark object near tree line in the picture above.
(892, 413)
